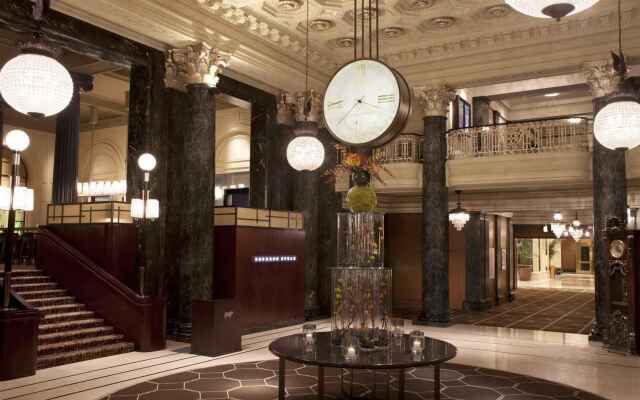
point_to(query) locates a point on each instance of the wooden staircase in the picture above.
(68, 331)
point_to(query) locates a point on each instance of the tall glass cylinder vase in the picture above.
(360, 240)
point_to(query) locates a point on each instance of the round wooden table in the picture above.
(323, 354)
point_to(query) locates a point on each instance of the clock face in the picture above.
(616, 249)
(366, 103)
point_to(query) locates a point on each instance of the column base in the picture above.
(442, 320)
(480, 305)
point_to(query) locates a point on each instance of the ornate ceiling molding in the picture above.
(547, 32)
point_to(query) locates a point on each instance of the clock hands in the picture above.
(351, 109)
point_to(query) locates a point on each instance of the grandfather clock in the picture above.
(624, 271)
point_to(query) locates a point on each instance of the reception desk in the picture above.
(259, 261)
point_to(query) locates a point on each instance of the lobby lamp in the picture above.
(305, 152)
(617, 124)
(459, 216)
(556, 9)
(34, 82)
(12, 198)
(144, 209)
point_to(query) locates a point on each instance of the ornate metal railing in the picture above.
(521, 137)
(405, 148)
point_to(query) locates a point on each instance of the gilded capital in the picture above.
(197, 64)
(435, 99)
(601, 77)
(286, 109)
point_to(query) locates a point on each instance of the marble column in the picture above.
(193, 69)
(146, 134)
(65, 159)
(435, 205)
(609, 191)
(476, 298)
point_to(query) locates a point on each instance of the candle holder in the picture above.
(309, 333)
(350, 346)
(417, 342)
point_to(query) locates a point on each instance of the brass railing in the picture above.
(538, 136)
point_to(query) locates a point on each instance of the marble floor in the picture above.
(564, 281)
(564, 358)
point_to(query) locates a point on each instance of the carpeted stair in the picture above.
(68, 331)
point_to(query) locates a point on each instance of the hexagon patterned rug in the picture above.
(259, 381)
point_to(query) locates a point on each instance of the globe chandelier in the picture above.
(617, 124)
(459, 216)
(557, 226)
(305, 152)
(556, 9)
(34, 82)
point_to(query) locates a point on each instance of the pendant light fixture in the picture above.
(575, 229)
(459, 216)
(305, 152)
(34, 82)
(556, 9)
(617, 124)
(557, 226)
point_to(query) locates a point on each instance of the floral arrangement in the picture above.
(356, 164)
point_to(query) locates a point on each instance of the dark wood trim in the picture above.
(18, 339)
(73, 34)
(141, 319)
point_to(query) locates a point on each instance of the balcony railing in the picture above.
(404, 148)
(539, 136)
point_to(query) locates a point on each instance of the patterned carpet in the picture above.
(258, 381)
(569, 311)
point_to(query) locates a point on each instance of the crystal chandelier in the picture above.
(555, 9)
(34, 83)
(459, 216)
(557, 226)
(617, 124)
(575, 230)
(305, 152)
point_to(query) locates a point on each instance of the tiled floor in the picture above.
(562, 358)
(569, 311)
(564, 281)
(259, 381)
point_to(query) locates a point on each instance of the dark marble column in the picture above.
(609, 190)
(609, 200)
(147, 134)
(65, 161)
(305, 200)
(279, 173)
(435, 206)
(475, 248)
(197, 207)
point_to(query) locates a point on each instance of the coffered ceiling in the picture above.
(463, 42)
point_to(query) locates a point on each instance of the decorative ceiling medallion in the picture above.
(438, 23)
(321, 25)
(342, 42)
(497, 11)
(421, 4)
(289, 5)
(392, 32)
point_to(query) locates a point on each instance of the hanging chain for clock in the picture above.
(370, 25)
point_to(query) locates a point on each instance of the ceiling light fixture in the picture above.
(35, 83)
(557, 226)
(459, 216)
(617, 124)
(555, 94)
(556, 9)
(305, 152)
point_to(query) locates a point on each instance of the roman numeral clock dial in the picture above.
(366, 103)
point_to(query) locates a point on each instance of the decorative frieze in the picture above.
(197, 64)
(601, 77)
(435, 99)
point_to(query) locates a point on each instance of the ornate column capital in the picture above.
(304, 106)
(601, 77)
(435, 99)
(197, 64)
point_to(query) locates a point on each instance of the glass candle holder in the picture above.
(350, 346)
(417, 341)
(309, 333)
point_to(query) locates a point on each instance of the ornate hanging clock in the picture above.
(366, 103)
